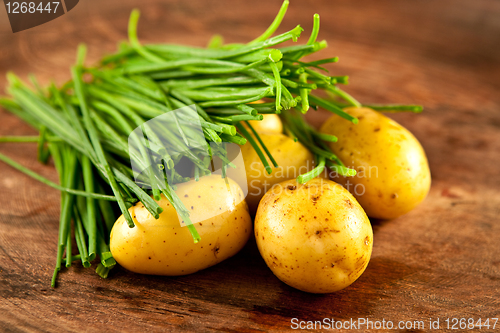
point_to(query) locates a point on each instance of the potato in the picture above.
(314, 237)
(271, 124)
(292, 157)
(164, 247)
(393, 174)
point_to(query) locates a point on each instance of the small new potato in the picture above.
(293, 160)
(314, 236)
(270, 124)
(164, 247)
(393, 175)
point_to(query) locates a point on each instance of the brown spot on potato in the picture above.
(376, 129)
(216, 250)
(291, 187)
(394, 196)
(348, 203)
(367, 240)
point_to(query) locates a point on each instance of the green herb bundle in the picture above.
(84, 125)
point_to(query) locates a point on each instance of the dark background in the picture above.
(439, 261)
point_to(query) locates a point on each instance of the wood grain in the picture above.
(441, 260)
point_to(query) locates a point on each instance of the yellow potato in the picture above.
(393, 175)
(314, 237)
(164, 247)
(293, 160)
(271, 124)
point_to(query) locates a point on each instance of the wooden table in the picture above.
(442, 260)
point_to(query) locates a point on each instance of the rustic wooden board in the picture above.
(441, 260)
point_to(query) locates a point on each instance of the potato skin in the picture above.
(314, 236)
(271, 124)
(163, 247)
(393, 172)
(292, 157)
